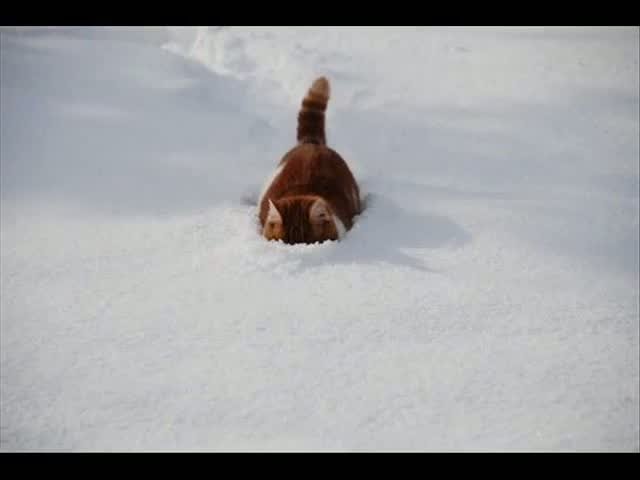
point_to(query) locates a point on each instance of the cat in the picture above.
(313, 196)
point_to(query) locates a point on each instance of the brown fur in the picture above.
(311, 115)
(312, 174)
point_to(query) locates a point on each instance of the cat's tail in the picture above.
(312, 113)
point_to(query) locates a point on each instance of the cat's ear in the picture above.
(273, 215)
(319, 212)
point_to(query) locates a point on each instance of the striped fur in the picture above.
(312, 113)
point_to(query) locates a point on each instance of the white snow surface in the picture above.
(486, 300)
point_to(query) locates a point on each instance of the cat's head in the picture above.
(300, 219)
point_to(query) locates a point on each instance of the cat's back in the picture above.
(315, 169)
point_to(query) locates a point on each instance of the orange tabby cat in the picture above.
(313, 195)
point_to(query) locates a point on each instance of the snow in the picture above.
(486, 299)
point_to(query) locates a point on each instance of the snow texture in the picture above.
(486, 299)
